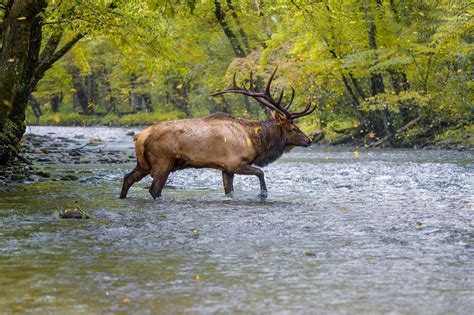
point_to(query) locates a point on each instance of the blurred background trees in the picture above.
(383, 72)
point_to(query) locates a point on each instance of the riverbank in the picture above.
(43, 149)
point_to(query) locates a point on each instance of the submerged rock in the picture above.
(75, 213)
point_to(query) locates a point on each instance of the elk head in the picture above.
(291, 134)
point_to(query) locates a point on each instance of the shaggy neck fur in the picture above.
(268, 142)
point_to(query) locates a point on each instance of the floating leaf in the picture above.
(197, 277)
(126, 300)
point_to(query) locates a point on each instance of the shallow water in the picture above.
(336, 235)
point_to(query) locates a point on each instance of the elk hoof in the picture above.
(263, 194)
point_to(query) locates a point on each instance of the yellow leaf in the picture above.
(197, 277)
(179, 86)
(21, 18)
(57, 118)
(356, 154)
(90, 105)
(126, 300)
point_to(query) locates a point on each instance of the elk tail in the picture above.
(140, 151)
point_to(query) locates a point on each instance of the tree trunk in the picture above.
(220, 15)
(22, 66)
(21, 42)
(376, 79)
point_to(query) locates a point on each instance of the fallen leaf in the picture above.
(126, 300)
(356, 154)
(197, 277)
(21, 18)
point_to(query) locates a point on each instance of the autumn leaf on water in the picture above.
(126, 300)
(57, 118)
(197, 277)
(356, 154)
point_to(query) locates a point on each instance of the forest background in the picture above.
(395, 73)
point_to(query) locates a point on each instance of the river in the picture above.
(389, 231)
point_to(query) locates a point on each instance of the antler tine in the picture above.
(234, 83)
(287, 107)
(251, 88)
(304, 112)
(280, 98)
(267, 89)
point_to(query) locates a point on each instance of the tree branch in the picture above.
(48, 61)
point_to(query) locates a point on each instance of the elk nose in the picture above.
(307, 142)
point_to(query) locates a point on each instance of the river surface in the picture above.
(391, 231)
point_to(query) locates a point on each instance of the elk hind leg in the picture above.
(131, 178)
(160, 176)
(228, 179)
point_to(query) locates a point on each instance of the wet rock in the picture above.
(75, 153)
(43, 174)
(130, 133)
(18, 177)
(69, 177)
(316, 135)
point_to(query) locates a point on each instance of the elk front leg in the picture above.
(228, 179)
(252, 170)
(131, 178)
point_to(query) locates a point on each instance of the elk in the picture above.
(219, 141)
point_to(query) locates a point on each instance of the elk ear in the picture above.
(281, 119)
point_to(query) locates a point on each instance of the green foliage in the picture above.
(178, 53)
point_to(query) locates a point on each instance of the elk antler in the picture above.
(266, 99)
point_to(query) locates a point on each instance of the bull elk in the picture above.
(219, 141)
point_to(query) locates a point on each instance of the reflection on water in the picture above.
(336, 235)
